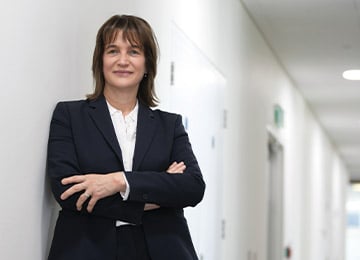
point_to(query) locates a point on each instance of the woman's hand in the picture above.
(174, 168)
(98, 186)
(95, 187)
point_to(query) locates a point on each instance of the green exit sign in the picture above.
(278, 116)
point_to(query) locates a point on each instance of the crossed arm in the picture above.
(99, 186)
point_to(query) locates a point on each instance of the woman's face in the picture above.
(123, 65)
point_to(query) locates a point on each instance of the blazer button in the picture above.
(145, 196)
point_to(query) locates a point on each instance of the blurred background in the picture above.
(275, 126)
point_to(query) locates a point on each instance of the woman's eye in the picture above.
(112, 51)
(134, 52)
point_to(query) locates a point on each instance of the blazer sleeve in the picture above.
(62, 162)
(170, 190)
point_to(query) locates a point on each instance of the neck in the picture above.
(125, 102)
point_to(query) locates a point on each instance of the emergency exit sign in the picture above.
(278, 116)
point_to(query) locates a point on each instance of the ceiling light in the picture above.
(351, 74)
(355, 187)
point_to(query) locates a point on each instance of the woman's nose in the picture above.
(123, 60)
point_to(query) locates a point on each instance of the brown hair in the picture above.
(137, 31)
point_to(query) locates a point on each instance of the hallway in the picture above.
(276, 170)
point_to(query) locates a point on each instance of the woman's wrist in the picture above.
(119, 180)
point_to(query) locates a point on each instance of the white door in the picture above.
(275, 249)
(197, 91)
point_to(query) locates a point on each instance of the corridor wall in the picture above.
(46, 51)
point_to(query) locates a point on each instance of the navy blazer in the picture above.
(82, 140)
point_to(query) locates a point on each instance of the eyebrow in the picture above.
(110, 46)
(115, 46)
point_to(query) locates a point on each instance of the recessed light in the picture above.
(351, 74)
(355, 187)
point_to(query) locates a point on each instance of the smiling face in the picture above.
(116, 32)
(123, 65)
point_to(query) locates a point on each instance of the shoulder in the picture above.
(72, 103)
(169, 120)
(165, 115)
(70, 107)
(156, 113)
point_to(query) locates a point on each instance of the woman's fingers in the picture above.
(83, 197)
(150, 206)
(91, 204)
(95, 187)
(73, 179)
(72, 190)
(176, 167)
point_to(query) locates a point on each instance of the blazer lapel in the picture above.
(100, 114)
(145, 130)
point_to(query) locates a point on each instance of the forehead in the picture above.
(127, 35)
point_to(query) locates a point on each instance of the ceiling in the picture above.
(315, 41)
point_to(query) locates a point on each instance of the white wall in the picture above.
(46, 49)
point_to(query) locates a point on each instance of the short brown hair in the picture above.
(137, 31)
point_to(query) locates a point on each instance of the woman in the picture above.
(122, 172)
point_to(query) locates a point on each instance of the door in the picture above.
(275, 249)
(196, 94)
